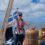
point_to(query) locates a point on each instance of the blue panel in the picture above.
(15, 17)
(35, 1)
(10, 19)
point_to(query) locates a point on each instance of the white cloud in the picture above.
(38, 14)
(37, 6)
(19, 3)
(42, 1)
(2, 7)
(35, 10)
(29, 8)
(3, 4)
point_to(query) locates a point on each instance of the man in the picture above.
(19, 32)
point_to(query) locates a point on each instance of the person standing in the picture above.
(19, 31)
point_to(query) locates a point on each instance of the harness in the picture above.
(20, 27)
(20, 24)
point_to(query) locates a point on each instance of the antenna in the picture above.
(16, 11)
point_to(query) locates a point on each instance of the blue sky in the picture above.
(33, 11)
(3, 7)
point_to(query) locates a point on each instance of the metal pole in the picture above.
(6, 18)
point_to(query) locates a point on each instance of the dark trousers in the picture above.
(19, 38)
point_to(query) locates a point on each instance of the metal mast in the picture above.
(6, 18)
